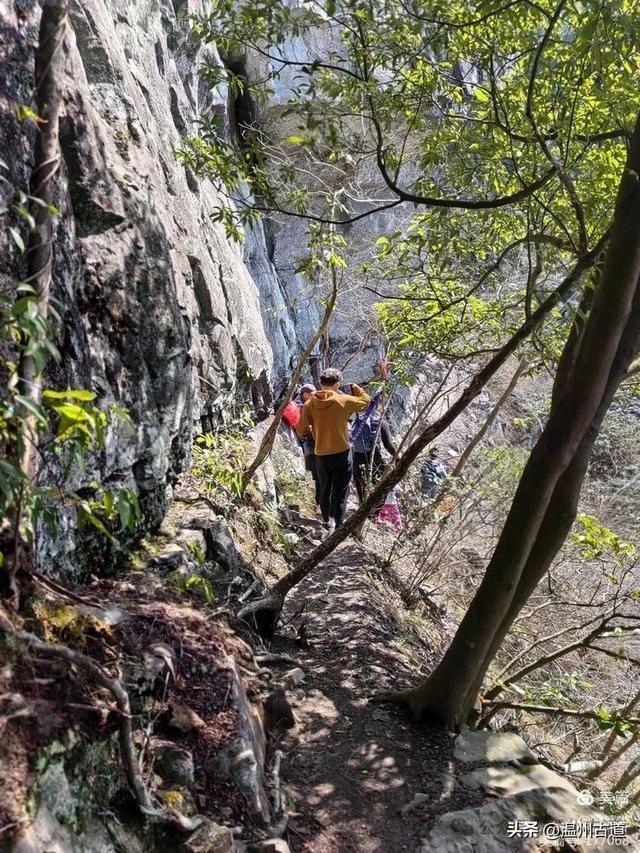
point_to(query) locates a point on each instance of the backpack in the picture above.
(365, 435)
(291, 414)
(432, 474)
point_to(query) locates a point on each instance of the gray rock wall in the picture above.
(160, 314)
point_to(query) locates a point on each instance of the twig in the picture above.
(64, 592)
(554, 711)
(249, 590)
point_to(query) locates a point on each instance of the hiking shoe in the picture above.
(327, 528)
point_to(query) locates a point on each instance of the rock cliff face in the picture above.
(161, 314)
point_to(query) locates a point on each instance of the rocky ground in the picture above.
(265, 748)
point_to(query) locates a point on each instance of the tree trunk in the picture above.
(493, 414)
(269, 437)
(264, 612)
(545, 502)
(48, 100)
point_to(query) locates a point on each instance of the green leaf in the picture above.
(71, 412)
(25, 113)
(32, 407)
(70, 394)
(24, 213)
(124, 509)
(88, 516)
(17, 239)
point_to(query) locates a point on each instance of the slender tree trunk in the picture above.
(545, 502)
(269, 437)
(265, 611)
(48, 100)
(493, 414)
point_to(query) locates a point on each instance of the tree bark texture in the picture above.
(545, 503)
(48, 100)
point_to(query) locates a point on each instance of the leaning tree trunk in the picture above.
(493, 414)
(545, 502)
(269, 437)
(48, 100)
(264, 612)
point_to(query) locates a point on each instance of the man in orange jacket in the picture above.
(326, 416)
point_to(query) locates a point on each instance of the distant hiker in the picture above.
(307, 443)
(390, 512)
(326, 416)
(367, 434)
(432, 474)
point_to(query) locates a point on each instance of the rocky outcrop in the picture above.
(159, 313)
(535, 808)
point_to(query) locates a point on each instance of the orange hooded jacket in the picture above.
(326, 416)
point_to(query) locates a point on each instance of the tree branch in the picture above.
(557, 165)
(554, 711)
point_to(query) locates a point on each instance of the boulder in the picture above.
(160, 663)
(209, 838)
(162, 315)
(270, 845)
(293, 678)
(184, 719)
(186, 536)
(487, 829)
(170, 559)
(219, 544)
(243, 758)
(278, 716)
(173, 763)
(471, 747)
(221, 547)
(506, 781)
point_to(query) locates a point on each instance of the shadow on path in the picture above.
(350, 766)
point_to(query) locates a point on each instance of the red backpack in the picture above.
(291, 414)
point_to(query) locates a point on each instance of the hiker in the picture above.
(367, 433)
(326, 416)
(432, 474)
(307, 443)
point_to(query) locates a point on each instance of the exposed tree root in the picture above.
(262, 615)
(171, 817)
(400, 697)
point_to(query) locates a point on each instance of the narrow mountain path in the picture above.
(350, 767)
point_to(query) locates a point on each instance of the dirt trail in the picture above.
(350, 766)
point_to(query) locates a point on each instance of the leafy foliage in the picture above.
(505, 123)
(612, 721)
(594, 540)
(196, 585)
(219, 457)
(196, 551)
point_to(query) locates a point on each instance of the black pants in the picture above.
(334, 476)
(361, 462)
(310, 465)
